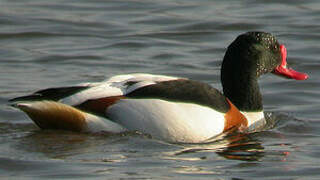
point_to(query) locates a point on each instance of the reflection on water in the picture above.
(235, 146)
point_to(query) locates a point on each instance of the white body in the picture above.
(174, 122)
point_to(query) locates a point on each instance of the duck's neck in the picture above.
(242, 90)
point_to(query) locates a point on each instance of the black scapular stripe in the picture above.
(187, 91)
(53, 94)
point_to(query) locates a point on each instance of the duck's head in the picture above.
(257, 53)
(247, 57)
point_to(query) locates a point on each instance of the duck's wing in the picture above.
(116, 86)
(97, 98)
(74, 95)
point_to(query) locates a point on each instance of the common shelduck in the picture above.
(172, 109)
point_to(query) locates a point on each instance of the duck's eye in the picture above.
(275, 47)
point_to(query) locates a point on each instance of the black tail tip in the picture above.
(32, 97)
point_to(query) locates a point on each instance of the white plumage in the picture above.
(170, 121)
(115, 86)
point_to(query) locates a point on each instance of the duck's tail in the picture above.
(55, 115)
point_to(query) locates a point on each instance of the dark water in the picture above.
(56, 43)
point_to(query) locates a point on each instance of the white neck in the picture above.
(255, 119)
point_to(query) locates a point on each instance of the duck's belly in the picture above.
(170, 121)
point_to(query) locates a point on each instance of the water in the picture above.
(57, 43)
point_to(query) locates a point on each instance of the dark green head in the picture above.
(250, 55)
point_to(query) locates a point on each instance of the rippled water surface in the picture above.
(57, 43)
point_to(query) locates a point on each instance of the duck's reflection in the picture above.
(237, 146)
(242, 147)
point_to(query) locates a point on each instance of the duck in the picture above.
(172, 109)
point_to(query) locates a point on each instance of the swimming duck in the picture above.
(169, 108)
